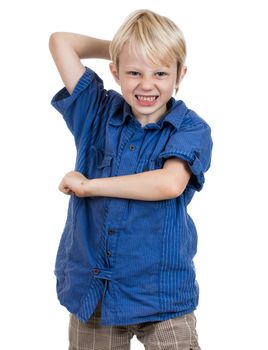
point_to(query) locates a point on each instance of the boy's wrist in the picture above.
(99, 187)
(90, 188)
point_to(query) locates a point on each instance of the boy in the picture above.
(125, 260)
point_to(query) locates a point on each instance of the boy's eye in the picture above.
(161, 74)
(133, 73)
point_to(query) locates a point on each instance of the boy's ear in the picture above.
(114, 72)
(183, 72)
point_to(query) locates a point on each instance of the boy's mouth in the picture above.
(146, 100)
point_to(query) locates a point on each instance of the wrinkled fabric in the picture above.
(136, 256)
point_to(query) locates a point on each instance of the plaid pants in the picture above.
(177, 333)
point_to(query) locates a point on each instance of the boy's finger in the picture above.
(64, 188)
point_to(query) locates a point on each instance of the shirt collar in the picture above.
(174, 115)
(119, 118)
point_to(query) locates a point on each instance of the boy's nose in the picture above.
(146, 84)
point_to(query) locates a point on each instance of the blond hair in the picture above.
(159, 39)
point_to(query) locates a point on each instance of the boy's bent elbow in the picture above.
(53, 40)
(170, 189)
(177, 175)
(174, 186)
(174, 191)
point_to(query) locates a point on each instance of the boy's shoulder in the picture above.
(185, 117)
(192, 118)
(91, 77)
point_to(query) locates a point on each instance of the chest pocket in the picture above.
(146, 164)
(99, 163)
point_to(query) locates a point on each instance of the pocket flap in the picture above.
(106, 161)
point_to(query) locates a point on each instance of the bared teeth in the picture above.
(146, 98)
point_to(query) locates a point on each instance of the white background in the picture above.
(226, 84)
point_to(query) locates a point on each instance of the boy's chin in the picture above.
(146, 112)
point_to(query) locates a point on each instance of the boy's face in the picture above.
(145, 87)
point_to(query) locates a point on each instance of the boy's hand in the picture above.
(75, 183)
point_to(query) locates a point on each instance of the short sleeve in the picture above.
(192, 143)
(84, 102)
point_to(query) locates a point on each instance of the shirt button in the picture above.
(109, 253)
(145, 169)
(111, 231)
(132, 147)
(96, 271)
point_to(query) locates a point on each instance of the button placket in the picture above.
(110, 245)
(103, 273)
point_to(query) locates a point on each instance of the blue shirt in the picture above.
(136, 256)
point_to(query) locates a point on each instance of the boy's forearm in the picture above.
(84, 46)
(149, 186)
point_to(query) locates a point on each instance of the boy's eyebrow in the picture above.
(155, 68)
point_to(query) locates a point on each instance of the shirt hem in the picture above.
(154, 318)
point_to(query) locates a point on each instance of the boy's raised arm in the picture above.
(68, 49)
